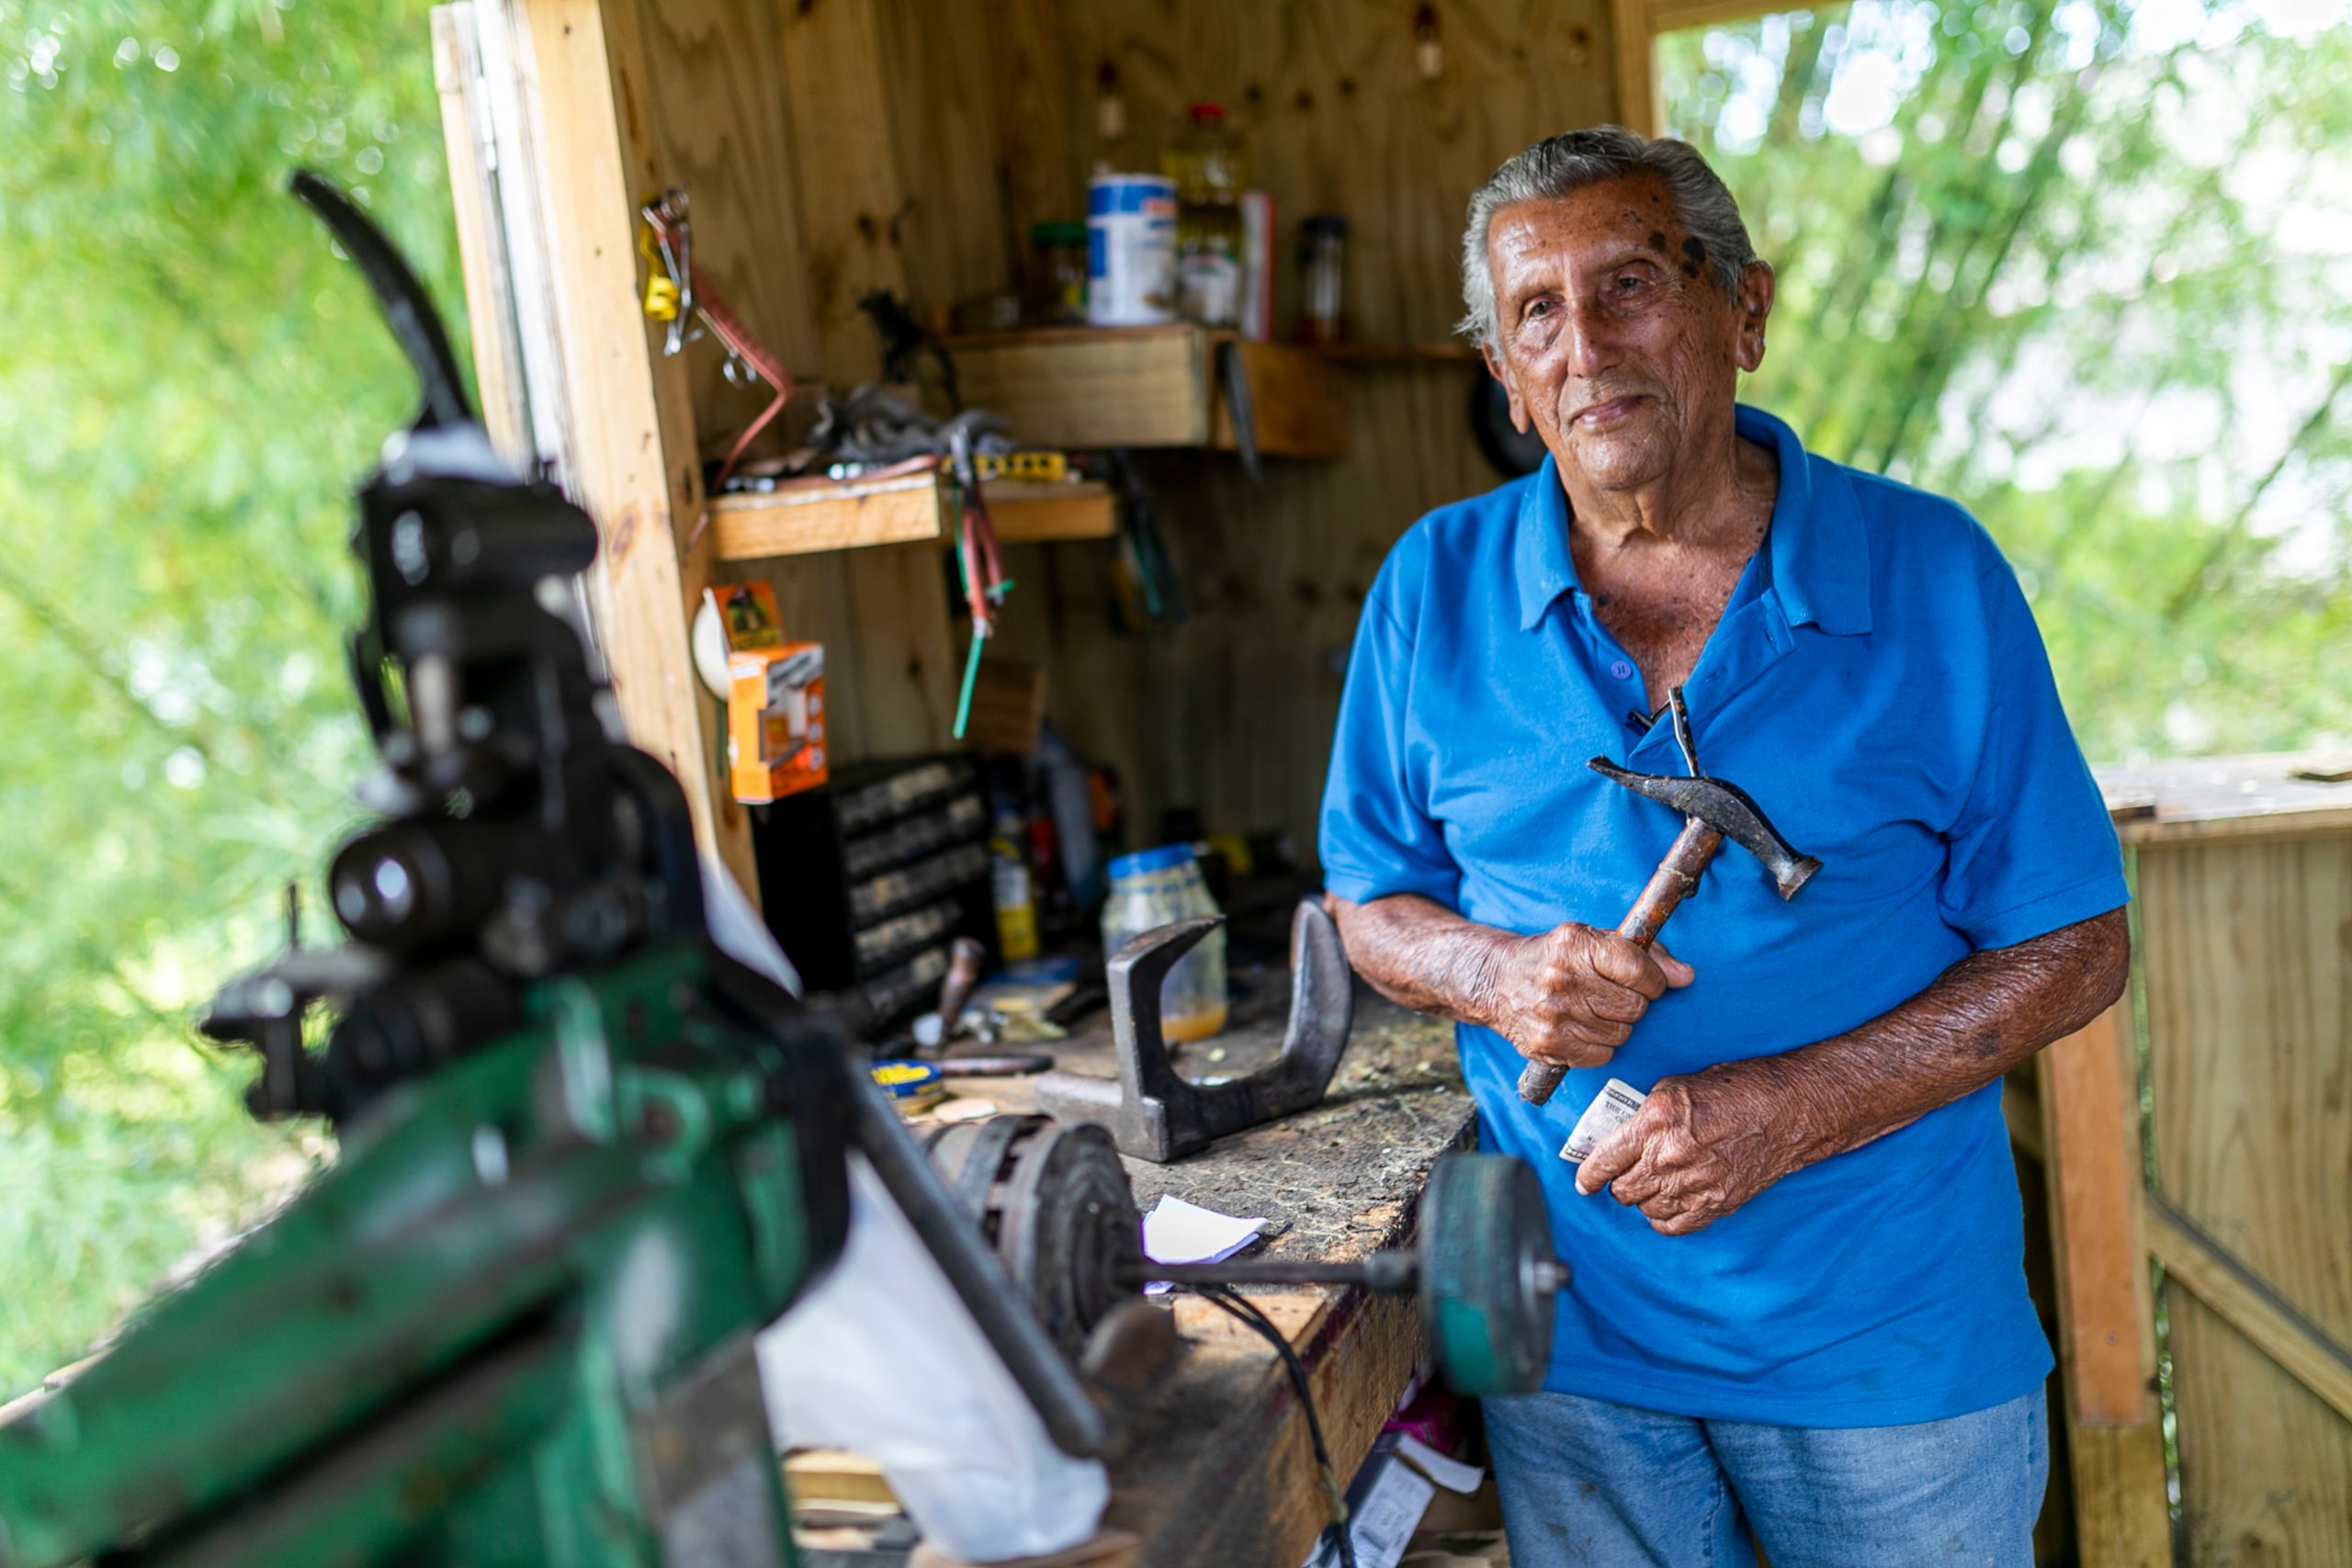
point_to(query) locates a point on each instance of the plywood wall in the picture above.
(831, 146)
(1232, 712)
(2249, 1021)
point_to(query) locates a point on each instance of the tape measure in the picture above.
(1038, 465)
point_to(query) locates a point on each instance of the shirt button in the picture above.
(1623, 670)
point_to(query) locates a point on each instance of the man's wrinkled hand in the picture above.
(1698, 1148)
(1570, 996)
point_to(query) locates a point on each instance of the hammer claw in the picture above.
(1714, 810)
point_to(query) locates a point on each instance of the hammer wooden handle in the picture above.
(1675, 879)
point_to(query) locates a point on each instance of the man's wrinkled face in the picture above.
(1614, 339)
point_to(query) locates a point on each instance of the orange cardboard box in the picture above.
(775, 699)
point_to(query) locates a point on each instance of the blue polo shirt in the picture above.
(1877, 684)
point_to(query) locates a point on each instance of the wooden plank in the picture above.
(898, 608)
(905, 509)
(1084, 388)
(2090, 1110)
(950, 228)
(482, 234)
(836, 1475)
(837, 84)
(1296, 401)
(716, 116)
(1674, 15)
(851, 191)
(2117, 1470)
(1633, 51)
(2249, 1025)
(1080, 386)
(2249, 1305)
(1033, 514)
(629, 407)
(2090, 1138)
(1007, 704)
(2227, 798)
(1036, 96)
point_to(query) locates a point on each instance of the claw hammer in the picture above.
(1712, 810)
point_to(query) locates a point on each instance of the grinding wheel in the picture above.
(1487, 1274)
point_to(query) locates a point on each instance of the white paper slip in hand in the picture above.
(1611, 1109)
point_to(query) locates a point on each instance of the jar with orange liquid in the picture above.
(1157, 887)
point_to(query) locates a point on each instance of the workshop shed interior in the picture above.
(834, 149)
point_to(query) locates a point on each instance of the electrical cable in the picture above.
(1234, 1302)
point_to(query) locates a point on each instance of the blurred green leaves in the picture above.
(190, 382)
(2085, 266)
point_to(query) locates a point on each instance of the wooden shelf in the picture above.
(1085, 387)
(807, 517)
(1396, 356)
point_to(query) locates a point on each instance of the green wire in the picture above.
(971, 674)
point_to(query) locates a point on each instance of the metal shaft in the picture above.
(1386, 1273)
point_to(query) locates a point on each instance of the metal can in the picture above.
(1131, 251)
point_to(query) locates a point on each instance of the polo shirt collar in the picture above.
(1820, 554)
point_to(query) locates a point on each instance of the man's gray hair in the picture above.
(1559, 164)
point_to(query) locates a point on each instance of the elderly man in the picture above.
(1802, 1318)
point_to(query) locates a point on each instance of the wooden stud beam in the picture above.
(2090, 1139)
(633, 429)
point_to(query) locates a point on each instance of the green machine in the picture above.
(584, 1155)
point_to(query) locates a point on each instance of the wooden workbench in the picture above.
(1217, 1469)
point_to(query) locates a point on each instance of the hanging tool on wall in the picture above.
(1148, 587)
(977, 562)
(681, 295)
(904, 339)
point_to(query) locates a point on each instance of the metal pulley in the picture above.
(1054, 1203)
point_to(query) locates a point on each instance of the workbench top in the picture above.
(1217, 1467)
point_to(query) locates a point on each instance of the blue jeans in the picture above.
(1603, 1486)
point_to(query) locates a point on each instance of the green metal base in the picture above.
(511, 1325)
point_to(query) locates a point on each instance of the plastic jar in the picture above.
(1131, 251)
(1057, 274)
(1159, 887)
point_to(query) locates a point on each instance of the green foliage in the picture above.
(2085, 266)
(190, 381)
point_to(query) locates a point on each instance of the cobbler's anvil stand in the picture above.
(1153, 1111)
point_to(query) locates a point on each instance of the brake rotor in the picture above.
(1489, 1274)
(1054, 1203)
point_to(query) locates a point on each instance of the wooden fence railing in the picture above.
(2205, 1126)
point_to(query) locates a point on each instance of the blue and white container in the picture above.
(1130, 251)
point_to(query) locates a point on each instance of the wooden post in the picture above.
(631, 422)
(1635, 42)
(2106, 1314)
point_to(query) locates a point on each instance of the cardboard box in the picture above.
(775, 699)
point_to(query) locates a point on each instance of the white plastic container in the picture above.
(1130, 251)
(1159, 887)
